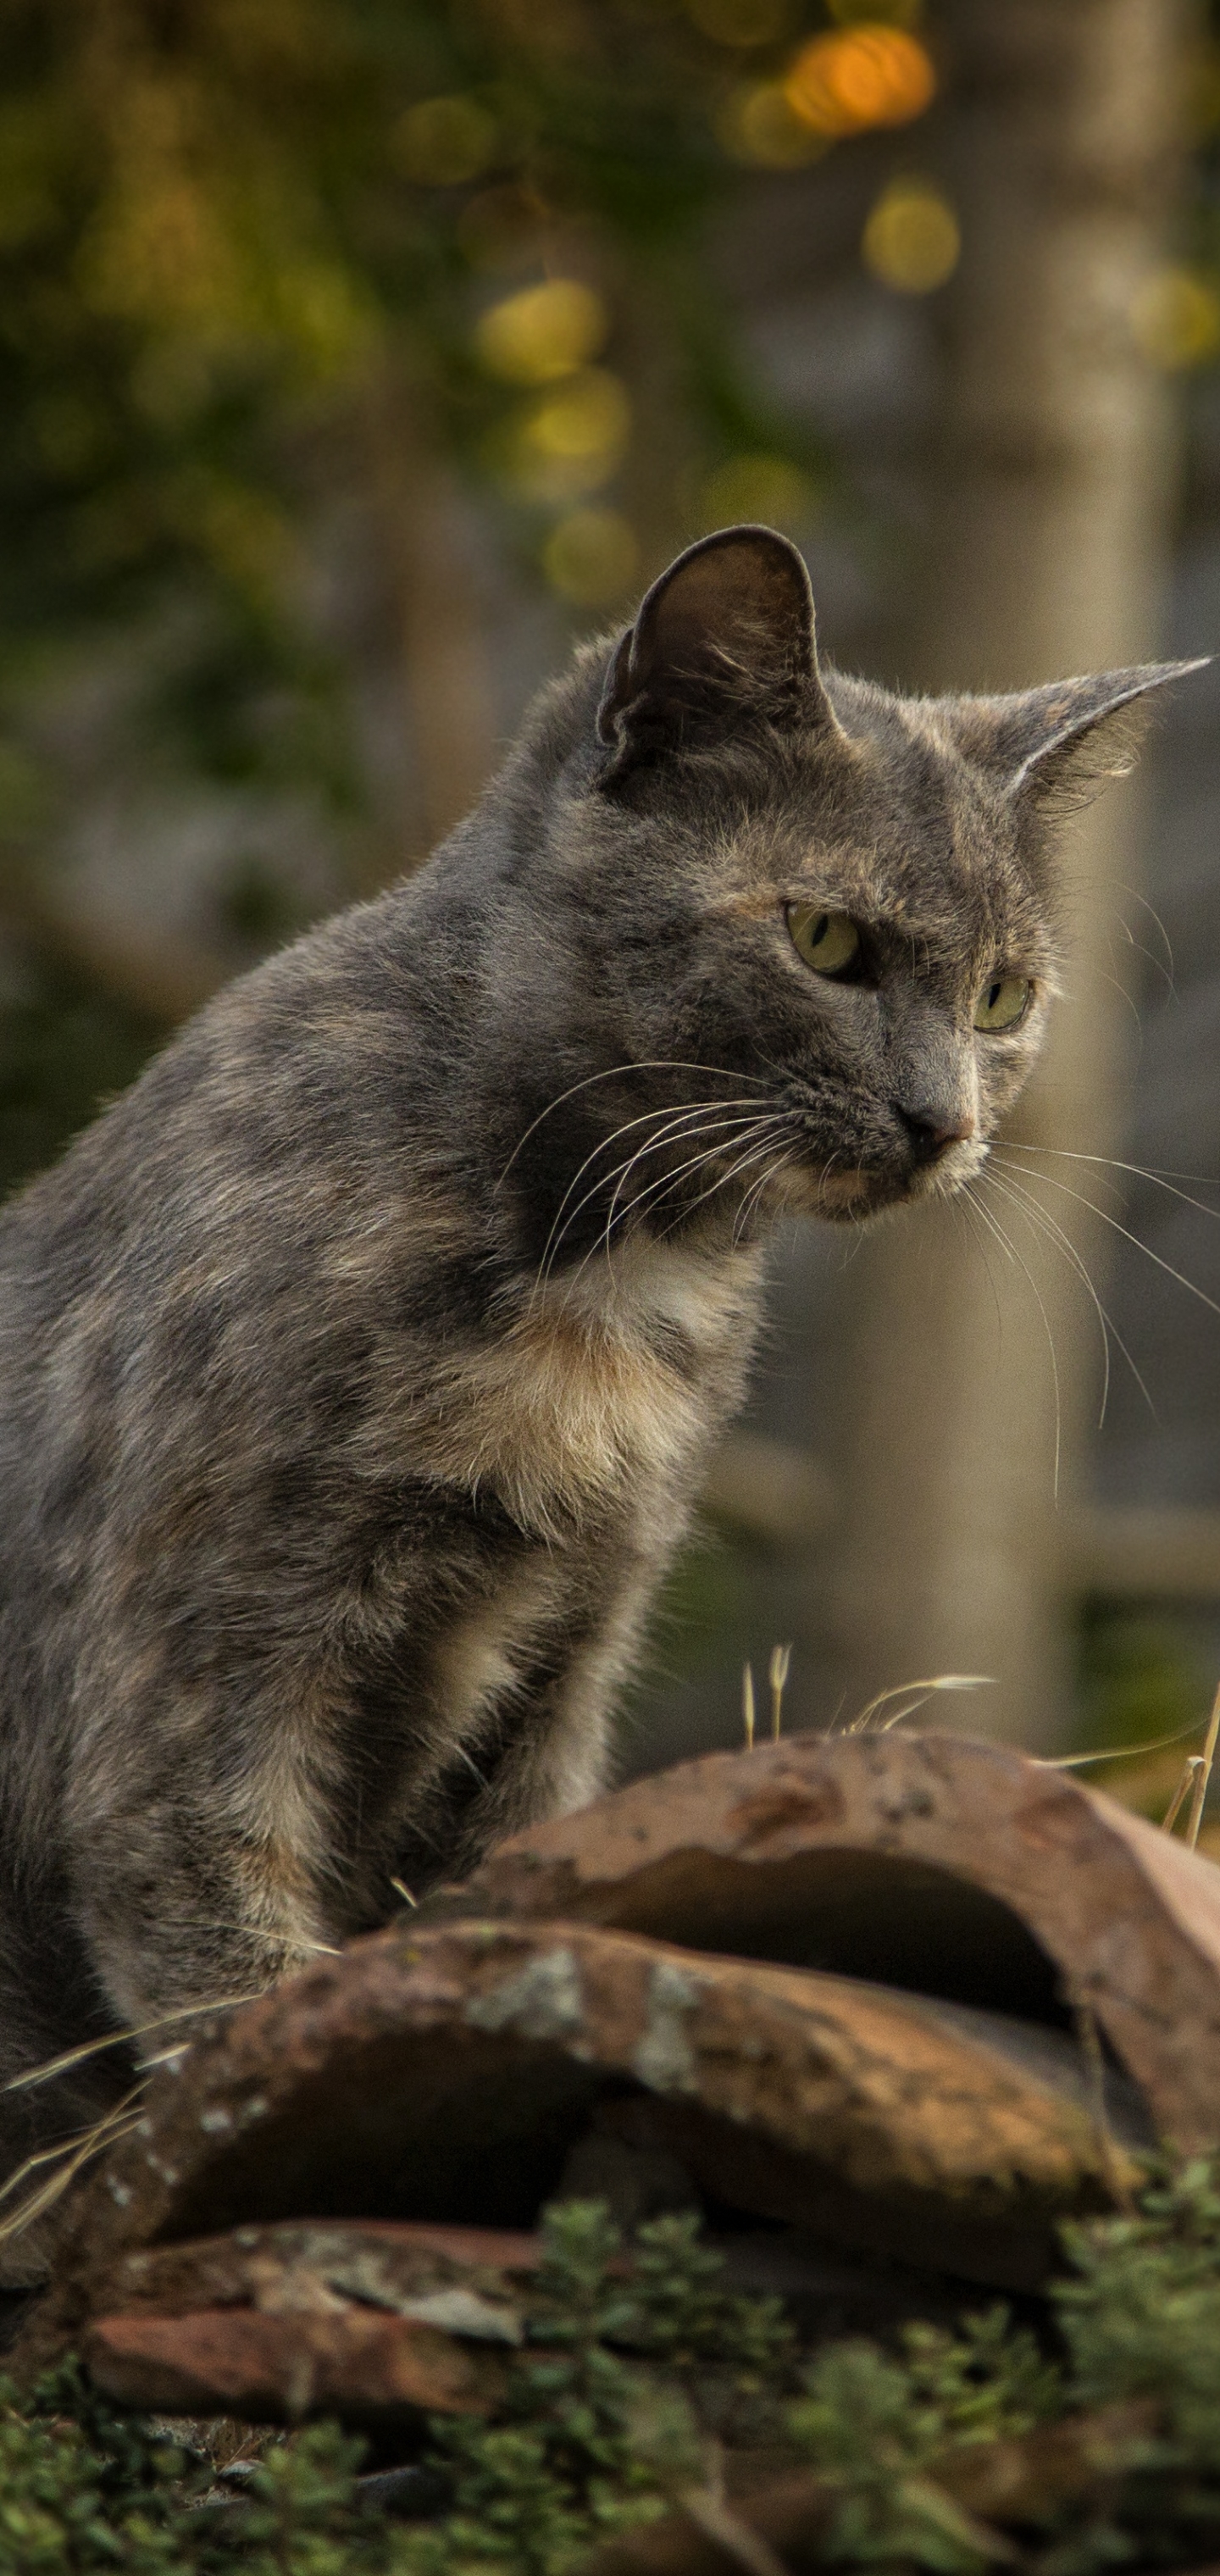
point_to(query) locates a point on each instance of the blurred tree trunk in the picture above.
(448, 684)
(1055, 479)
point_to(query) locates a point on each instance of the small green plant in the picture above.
(873, 2427)
(631, 2381)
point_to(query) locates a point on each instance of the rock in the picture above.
(444, 2075)
(411, 2271)
(930, 1862)
(275, 2369)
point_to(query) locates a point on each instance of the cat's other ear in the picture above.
(724, 637)
(1063, 741)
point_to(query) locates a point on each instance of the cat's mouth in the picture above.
(850, 1195)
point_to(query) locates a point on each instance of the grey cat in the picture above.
(357, 1368)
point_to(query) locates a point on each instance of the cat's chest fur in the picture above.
(581, 1424)
(596, 1399)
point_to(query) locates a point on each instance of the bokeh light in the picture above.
(444, 142)
(758, 124)
(912, 240)
(591, 556)
(866, 75)
(741, 22)
(761, 487)
(1176, 318)
(570, 444)
(543, 333)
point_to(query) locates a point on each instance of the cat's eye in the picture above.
(828, 941)
(1001, 1004)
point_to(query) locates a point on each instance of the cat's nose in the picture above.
(933, 1128)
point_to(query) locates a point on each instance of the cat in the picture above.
(358, 1367)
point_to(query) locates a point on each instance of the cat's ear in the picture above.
(1066, 738)
(723, 638)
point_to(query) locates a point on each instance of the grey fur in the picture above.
(347, 1415)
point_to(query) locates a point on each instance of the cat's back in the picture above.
(205, 1224)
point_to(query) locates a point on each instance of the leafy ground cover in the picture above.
(638, 2386)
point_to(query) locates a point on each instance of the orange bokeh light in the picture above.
(868, 75)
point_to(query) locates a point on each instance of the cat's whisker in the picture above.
(605, 1145)
(763, 1152)
(1107, 1219)
(761, 1145)
(992, 1220)
(646, 1201)
(970, 1214)
(677, 1123)
(1167, 968)
(676, 1132)
(1039, 1222)
(1160, 1180)
(603, 1241)
(653, 1195)
(1015, 1189)
(756, 1188)
(612, 1073)
(747, 1123)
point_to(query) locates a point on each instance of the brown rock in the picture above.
(959, 1869)
(409, 2270)
(272, 2369)
(445, 2074)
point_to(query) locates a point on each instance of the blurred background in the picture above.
(357, 354)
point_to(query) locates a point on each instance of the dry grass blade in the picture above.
(117, 2039)
(1191, 1765)
(1204, 1773)
(1113, 1752)
(401, 1889)
(747, 1705)
(67, 2160)
(781, 1657)
(899, 1690)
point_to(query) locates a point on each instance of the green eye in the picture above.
(828, 941)
(1002, 1004)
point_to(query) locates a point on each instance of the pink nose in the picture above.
(932, 1131)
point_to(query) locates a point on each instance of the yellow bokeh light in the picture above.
(570, 444)
(765, 488)
(865, 76)
(591, 556)
(443, 142)
(758, 124)
(590, 418)
(912, 240)
(543, 333)
(741, 22)
(1176, 318)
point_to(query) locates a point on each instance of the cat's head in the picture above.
(802, 900)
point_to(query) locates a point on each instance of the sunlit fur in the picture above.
(357, 1369)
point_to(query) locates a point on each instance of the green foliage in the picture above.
(83, 2488)
(298, 2517)
(242, 254)
(872, 2426)
(629, 2381)
(1141, 1676)
(596, 2442)
(1142, 2316)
